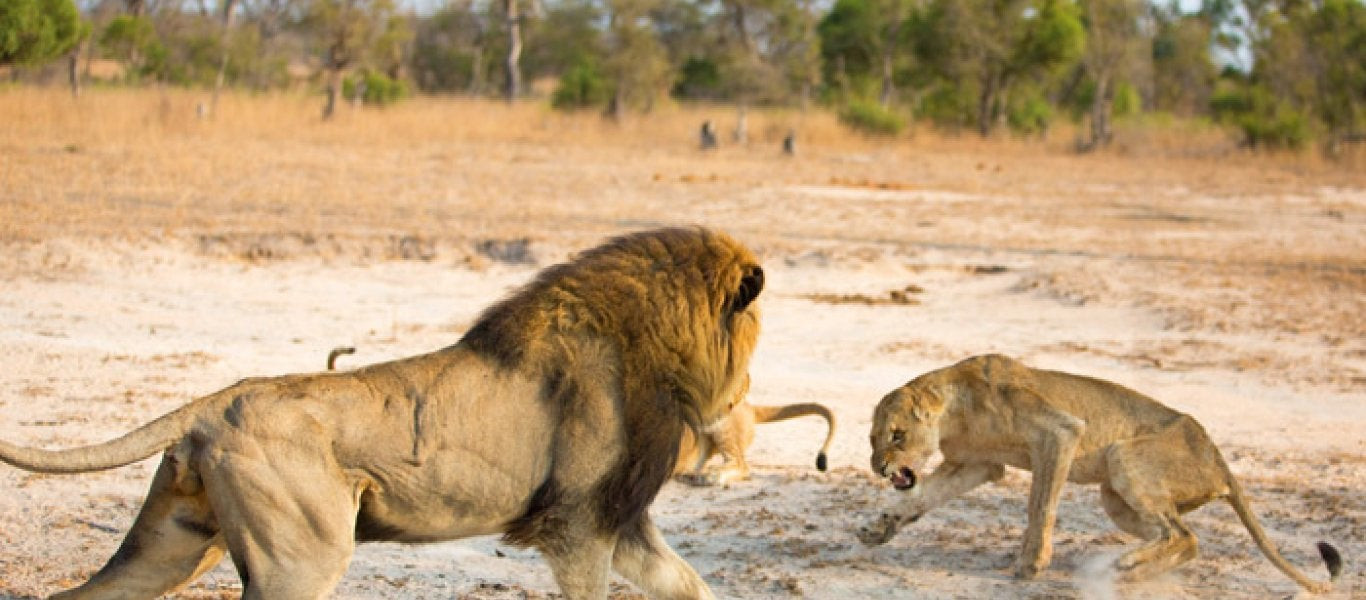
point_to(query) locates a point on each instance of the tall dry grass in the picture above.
(142, 162)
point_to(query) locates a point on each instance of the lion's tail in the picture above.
(128, 448)
(766, 414)
(1330, 555)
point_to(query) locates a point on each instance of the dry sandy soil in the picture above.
(145, 264)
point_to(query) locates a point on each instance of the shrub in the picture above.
(583, 85)
(1263, 120)
(379, 89)
(871, 117)
(1030, 115)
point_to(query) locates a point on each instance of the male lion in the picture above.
(1153, 463)
(732, 436)
(554, 421)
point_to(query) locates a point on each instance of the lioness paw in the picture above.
(1029, 569)
(699, 479)
(879, 531)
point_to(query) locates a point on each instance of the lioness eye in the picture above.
(898, 436)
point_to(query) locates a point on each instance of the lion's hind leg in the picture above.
(288, 514)
(174, 540)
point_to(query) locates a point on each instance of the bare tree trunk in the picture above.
(742, 122)
(73, 66)
(986, 102)
(1100, 113)
(477, 72)
(888, 53)
(333, 91)
(514, 57)
(616, 107)
(229, 7)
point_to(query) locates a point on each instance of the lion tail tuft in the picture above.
(1331, 559)
(768, 414)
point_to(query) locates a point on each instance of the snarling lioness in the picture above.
(731, 437)
(554, 421)
(1153, 463)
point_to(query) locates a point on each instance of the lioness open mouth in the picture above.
(903, 479)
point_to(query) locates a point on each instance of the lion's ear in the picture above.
(750, 286)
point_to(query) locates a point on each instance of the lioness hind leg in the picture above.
(1153, 480)
(173, 541)
(288, 515)
(644, 558)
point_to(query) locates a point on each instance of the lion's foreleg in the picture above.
(950, 480)
(1050, 460)
(644, 558)
(581, 564)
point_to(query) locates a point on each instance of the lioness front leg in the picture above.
(1050, 460)
(950, 480)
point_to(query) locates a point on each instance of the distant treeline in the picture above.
(1284, 73)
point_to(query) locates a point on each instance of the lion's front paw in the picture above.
(879, 531)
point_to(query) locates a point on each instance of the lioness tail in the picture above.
(1331, 558)
(128, 448)
(767, 414)
(338, 351)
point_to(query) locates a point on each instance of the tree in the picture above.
(512, 13)
(1311, 60)
(636, 64)
(1113, 45)
(346, 31)
(229, 11)
(991, 45)
(860, 44)
(1183, 74)
(35, 31)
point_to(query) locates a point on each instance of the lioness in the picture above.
(732, 436)
(554, 421)
(1152, 463)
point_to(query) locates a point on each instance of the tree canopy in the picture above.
(1282, 73)
(34, 31)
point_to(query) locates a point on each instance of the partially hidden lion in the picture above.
(732, 436)
(554, 421)
(1153, 463)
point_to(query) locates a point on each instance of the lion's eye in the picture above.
(898, 436)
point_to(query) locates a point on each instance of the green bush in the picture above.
(699, 78)
(582, 86)
(952, 106)
(1029, 116)
(1126, 101)
(379, 89)
(871, 117)
(1263, 120)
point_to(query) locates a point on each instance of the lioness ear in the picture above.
(750, 286)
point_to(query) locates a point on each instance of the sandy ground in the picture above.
(1242, 305)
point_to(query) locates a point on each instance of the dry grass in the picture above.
(123, 162)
